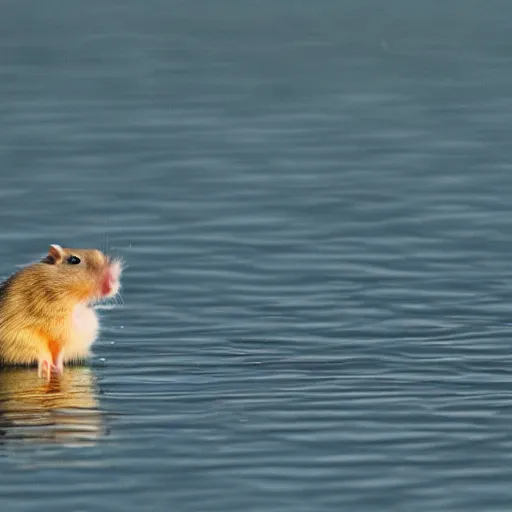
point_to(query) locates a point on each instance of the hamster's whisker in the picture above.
(105, 241)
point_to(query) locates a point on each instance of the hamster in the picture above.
(46, 308)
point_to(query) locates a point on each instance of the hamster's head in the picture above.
(84, 275)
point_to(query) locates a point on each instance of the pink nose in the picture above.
(110, 284)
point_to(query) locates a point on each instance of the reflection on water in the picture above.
(64, 410)
(318, 230)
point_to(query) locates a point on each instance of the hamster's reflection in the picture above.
(64, 410)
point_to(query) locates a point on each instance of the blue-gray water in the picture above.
(314, 203)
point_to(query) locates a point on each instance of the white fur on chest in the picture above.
(84, 330)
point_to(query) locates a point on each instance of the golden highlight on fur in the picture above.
(46, 314)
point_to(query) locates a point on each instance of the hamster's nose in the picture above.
(110, 283)
(115, 269)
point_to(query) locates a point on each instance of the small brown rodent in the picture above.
(46, 313)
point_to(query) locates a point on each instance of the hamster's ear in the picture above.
(55, 255)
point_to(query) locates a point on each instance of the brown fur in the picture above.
(40, 305)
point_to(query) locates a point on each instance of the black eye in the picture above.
(73, 260)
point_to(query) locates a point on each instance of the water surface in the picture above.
(313, 201)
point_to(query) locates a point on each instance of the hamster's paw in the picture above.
(45, 368)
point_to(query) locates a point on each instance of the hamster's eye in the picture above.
(73, 260)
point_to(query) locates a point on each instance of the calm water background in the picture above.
(314, 201)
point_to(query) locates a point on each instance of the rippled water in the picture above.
(313, 201)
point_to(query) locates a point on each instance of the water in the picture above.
(313, 201)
